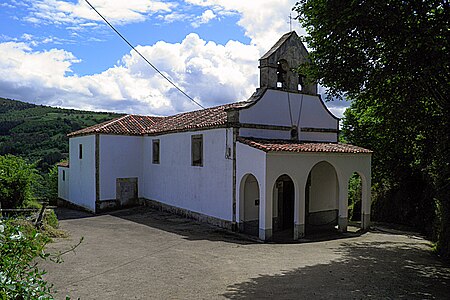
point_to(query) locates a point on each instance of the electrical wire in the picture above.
(143, 57)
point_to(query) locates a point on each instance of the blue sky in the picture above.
(61, 53)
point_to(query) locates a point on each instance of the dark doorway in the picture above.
(287, 202)
(283, 222)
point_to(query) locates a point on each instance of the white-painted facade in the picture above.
(174, 181)
(81, 173)
(236, 183)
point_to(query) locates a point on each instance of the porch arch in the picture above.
(321, 197)
(365, 194)
(249, 195)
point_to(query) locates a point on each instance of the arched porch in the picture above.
(317, 185)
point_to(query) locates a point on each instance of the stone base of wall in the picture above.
(187, 213)
(322, 219)
(249, 227)
(64, 203)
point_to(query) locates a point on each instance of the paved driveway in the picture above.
(140, 253)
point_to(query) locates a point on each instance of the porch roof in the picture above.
(295, 146)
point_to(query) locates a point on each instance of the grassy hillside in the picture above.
(38, 133)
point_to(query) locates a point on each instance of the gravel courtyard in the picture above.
(141, 253)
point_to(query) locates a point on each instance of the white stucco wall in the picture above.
(273, 109)
(82, 172)
(120, 157)
(323, 193)
(63, 183)
(174, 181)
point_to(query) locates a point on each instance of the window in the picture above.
(197, 150)
(63, 175)
(80, 151)
(155, 151)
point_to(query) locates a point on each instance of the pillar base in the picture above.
(342, 224)
(299, 231)
(365, 221)
(265, 234)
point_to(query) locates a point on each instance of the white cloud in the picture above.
(174, 17)
(117, 11)
(264, 21)
(206, 16)
(213, 74)
(27, 37)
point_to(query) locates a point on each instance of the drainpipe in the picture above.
(235, 133)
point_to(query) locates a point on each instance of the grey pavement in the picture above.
(141, 253)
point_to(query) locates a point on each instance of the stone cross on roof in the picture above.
(276, 66)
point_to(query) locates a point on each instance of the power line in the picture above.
(143, 57)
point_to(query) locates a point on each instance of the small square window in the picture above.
(197, 150)
(80, 151)
(155, 151)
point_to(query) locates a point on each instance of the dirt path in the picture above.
(144, 254)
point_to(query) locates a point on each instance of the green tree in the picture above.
(17, 179)
(391, 58)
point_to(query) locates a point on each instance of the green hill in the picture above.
(38, 133)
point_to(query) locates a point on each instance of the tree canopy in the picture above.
(391, 58)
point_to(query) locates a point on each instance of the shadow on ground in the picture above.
(64, 213)
(192, 230)
(402, 271)
(189, 229)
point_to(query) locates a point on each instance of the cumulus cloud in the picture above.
(206, 16)
(213, 74)
(117, 11)
(264, 21)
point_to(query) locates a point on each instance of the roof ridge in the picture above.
(111, 122)
(138, 124)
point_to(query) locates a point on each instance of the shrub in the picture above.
(19, 277)
(16, 181)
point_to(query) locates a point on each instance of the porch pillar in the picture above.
(265, 213)
(299, 211)
(343, 205)
(366, 203)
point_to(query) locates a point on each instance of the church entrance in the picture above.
(283, 208)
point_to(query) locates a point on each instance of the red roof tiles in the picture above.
(213, 117)
(292, 146)
(200, 119)
(126, 125)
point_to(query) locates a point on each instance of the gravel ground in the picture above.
(141, 253)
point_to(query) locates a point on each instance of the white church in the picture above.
(264, 166)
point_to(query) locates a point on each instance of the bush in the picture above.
(19, 277)
(16, 181)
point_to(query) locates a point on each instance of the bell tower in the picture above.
(277, 65)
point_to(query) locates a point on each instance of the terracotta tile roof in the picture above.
(200, 119)
(291, 146)
(126, 125)
(212, 117)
